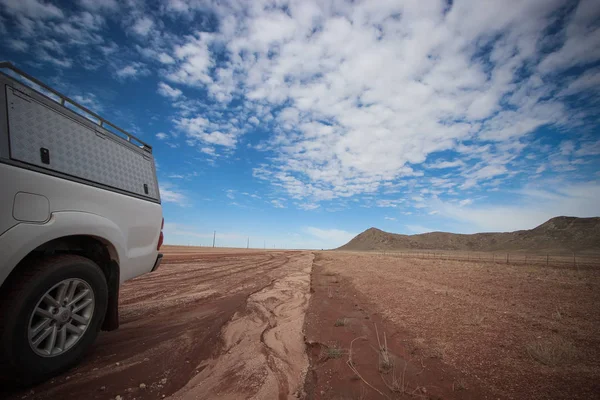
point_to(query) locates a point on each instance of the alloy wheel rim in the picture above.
(61, 317)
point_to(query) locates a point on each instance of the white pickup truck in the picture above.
(80, 213)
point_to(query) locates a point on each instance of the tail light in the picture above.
(161, 237)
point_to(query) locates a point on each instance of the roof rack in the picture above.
(64, 99)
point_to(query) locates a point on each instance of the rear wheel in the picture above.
(50, 315)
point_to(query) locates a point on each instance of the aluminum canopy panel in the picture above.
(76, 149)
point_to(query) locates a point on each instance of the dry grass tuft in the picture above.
(341, 322)
(385, 362)
(459, 385)
(352, 366)
(558, 313)
(334, 351)
(551, 352)
(477, 319)
(397, 383)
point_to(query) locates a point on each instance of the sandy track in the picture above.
(263, 356)
(175, 321)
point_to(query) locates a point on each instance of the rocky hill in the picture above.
(557, 235)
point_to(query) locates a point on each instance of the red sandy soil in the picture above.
(463, 330)
(244, 324)
(176, 321)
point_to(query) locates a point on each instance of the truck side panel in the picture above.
(78, 209)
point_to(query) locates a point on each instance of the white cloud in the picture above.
(208, 150)
(194, 61)
(32, 9)
(530, 208)
(132, 70)
(165, 58)
(567, 147)
(389, 218)
(99, 5)
(201, 130)
(465, 202)
(57, 61)
(589, 149)
(447, 164)
(90, 101)
(161, 136)
(389, 203)
(168, 194)
(278, 204)
(17, 45)
(308, 206)
(143, 26)
(168, 91)
(581, 44)
(590, 80)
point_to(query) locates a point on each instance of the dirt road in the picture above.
(206, 324)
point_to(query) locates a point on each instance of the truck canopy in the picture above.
(43, 130)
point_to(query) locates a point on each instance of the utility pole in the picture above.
(265, 245)
(248, 244)
(214, 236)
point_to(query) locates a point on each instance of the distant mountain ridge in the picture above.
(557, 235)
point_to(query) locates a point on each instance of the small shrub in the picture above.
(551, 352)
(459, 385)
(397, 383)
(331, 351)
(558, 313)
(334, 352)
(477, 319)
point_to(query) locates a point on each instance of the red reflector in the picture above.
(160, 241)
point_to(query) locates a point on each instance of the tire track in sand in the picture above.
(264, 354)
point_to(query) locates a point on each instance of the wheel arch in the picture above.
(98, 249)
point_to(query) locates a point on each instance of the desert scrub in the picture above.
(552, 352)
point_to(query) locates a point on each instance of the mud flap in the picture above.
(111, 319)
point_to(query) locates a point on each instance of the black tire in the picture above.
(17, 302)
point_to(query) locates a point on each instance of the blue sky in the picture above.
(300, 124)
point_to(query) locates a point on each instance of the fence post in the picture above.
(494, 258)
(507, 258)
(547, 259)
